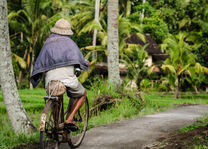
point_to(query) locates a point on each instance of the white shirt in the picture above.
(64, 74)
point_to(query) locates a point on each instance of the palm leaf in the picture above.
(20, 61)
(91, 26)
(141, 36)
(85, 74)
(150, 70)
(183, 22)
(95, 48)
(200, 69)
(183, 69)
(169, 68)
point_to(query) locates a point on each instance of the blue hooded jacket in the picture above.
(58, 51)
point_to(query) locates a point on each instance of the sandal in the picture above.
(71, 126)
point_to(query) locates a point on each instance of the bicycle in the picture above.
(53, 116)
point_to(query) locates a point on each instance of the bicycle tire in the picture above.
(47, 127)
(76, 138)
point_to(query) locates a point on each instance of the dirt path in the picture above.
(139, 132)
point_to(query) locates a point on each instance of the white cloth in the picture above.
(64, 74)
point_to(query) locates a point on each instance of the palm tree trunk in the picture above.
(178, 88)
(113, 48)
(33, 58)
(142, 14)
(31, 67)
(20, 73)
(97, 9)
(128, 8)
(196, 90)
(16, 112)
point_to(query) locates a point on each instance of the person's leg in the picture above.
(76, 107)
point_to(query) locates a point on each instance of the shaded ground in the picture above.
(144, 132)
(185, 140)
(28, 146)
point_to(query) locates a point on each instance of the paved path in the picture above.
(136, 133)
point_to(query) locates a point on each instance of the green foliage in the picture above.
(30, 21)
(200, 122)
(20, 61)
(82, 41)
(145, 84)
(85, 74)
(135, 61)
(180, 58)
(100, 86)
(152, 23)
(156, 27)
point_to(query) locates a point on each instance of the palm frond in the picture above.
(183, 69)
(168, 68)
(200, 69)
(85, 74)
(20, 61)
(91, 26)
(95, 48)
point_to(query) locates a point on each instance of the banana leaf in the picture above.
(85, 74)
(20, 61)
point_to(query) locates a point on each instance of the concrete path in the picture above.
(139, 132)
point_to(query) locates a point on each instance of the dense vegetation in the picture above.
(179, 28)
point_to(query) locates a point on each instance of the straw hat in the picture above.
(62, 27)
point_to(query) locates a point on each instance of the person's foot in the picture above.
(71, 126)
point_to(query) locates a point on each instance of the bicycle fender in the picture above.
(44, 115)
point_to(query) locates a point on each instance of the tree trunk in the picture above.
(97, 9)
(20, 73)
(142, 14)
(31, 67)
(196, 90)
(178, 88)
(33, 58)
(128, 8)
(16, 112)
(113, 48)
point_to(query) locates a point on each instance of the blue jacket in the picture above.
(58, 51)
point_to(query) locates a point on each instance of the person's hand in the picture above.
(89, 63)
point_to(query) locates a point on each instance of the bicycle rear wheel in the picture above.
(81, 119)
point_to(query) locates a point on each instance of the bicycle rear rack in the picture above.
(55, 98)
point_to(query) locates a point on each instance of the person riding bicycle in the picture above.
(57, 60)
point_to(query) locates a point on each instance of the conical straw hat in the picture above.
(62, 27)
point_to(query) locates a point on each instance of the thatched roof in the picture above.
(102, 69)
(152, 48)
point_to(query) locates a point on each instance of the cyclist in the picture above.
(57, 60)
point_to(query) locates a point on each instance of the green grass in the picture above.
(199, 142)
(200, 122)
(128, 107)
(158, 101)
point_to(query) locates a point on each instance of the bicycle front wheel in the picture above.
(48, 135)
(81, 119)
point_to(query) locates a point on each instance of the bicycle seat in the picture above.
(55, 88)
